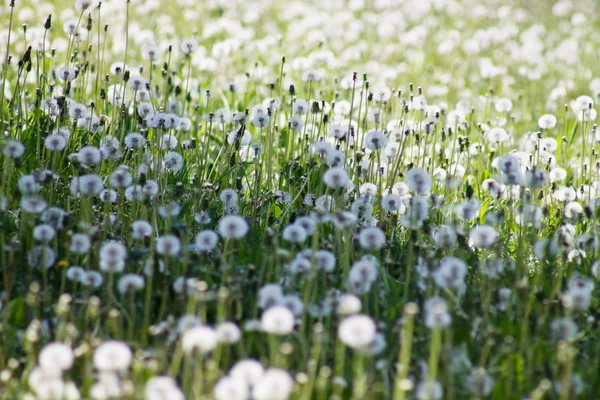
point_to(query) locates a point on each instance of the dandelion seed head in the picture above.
(418, 180)
(112, 356)
(371, 238)
(89, 155)
(55, 142)
(231, 388)
(269, 295)
(429, 391)
(444, 237)
(233, 227)
(294, 233)
(375, 140)
(311, 75)
(436, 313)
(480, 382)
(33, 204)
(277, 320)
(483, 236)
(247, 370)
(130, 283)
(169, 245)
(151, 53)
(201, 338)
(357, 331)
(189, 46)
(228, 332)
(547, 121)
(468, 210)
(450, 273)
(206, 240)
(162, 387)
(274, 384)
(88, 185)
(13, 149)
(336, 178)
(93, 279)
(348, 304)
(56, 356)
(28, 185)
(563, 328)
(173, 161)
(44, 233)
(362, 275)
(75, 273)
(228, 196)
(573, 210)
(300, 106)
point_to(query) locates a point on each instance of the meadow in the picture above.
(269, 200)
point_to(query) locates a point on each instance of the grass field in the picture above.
(269, 200)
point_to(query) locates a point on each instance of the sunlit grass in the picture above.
(268, 200)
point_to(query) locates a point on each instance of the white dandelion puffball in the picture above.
(336, 178)
(201, 338)
(277, 320)
(275, 384)
(112, 356)
(233, 227)
(162, 387)
(56, 356)
(357, 331)
(547, 121)
(371, 238)
(483, 236)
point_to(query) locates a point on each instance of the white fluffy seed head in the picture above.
(275, 384)
(112, 356)
(233, 227)
(231, 388)
(130, 283)
(294, 233)
(436, 313)
(483, 236)
(169, 245)
(248, 371)
(206, 240)
(357, 331)
(336, 178)
(418, 180)
(228, 332)
(201, 338)
(277, 320)
(371, 238)
(547, 121)
(375, 140)
(56, 356)
(162, 387)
